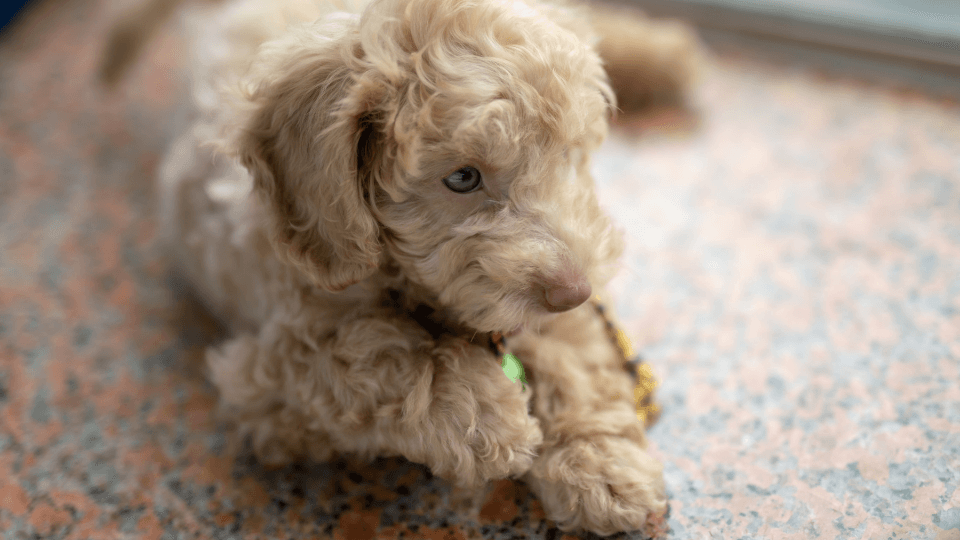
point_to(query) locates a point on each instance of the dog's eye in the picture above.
(463, 180)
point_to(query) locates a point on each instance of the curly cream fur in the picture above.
(306, 206)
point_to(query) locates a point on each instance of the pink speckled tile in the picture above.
(792, 274)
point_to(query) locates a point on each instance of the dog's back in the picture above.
(648, 62)
(224, 38)
(205, 215)
(221, 35)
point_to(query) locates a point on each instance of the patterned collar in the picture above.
(647, 410)
(437, 324)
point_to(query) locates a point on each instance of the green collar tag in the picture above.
(513, 369)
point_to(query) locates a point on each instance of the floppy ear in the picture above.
(309, 110)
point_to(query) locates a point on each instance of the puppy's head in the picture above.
(451, 137)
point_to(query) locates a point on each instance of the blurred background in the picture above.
(912, 41)
(792, 275)
(914, 30)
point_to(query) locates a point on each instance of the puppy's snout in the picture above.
(567, 292)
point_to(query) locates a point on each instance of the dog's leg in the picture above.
(593, 470)
(375, 387)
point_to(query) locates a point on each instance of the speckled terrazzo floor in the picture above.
(793, 275)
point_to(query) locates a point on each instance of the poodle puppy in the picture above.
(368, 193)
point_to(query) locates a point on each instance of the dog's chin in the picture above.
(505, 330)
(508, 325)
(516, 330)
(507, 317)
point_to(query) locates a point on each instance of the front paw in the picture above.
(507, 448)
(473, 426)
(604, 484)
